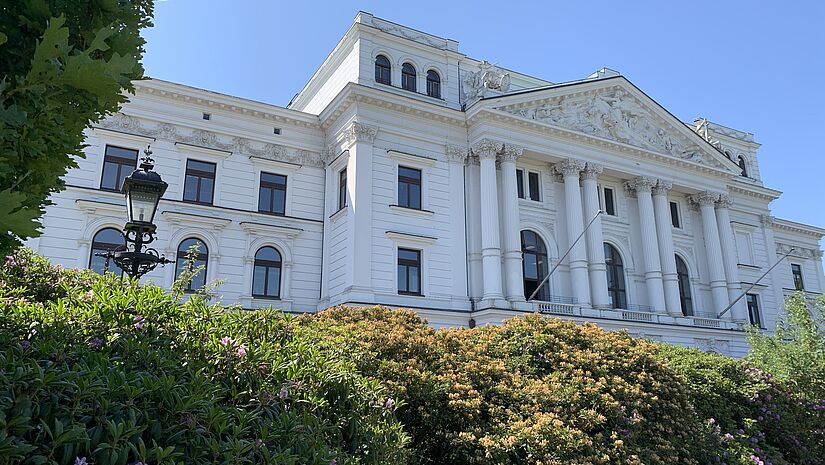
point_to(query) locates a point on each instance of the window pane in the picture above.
(403, 194)
(414, 284)
(530, 266)
(201, 166)
(520, 183)
(279, 201)
(273, 178)
(110, 176)
(415, 196)
(674, 214)
(273, 285)
(264, 199)
(533, 181)
(200, 278)
(258, 280)
(206, 190)
(609, 205)
(120, 152)
(406, 254)
(190, 188)
(402, 278)
(269, 254)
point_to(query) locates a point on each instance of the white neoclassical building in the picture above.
(408, 174)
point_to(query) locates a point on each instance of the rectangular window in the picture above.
(272, 194)
(798, 283)
(533, 186)
(118, 163)
(409, 271)
(674, 215)
(520, 183)
(342, 189)
(409, 187)
(609, 202)
(753, 310)
(199, 186)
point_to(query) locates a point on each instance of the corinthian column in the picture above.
(486, 150)
(594, 237)
(667, 257)
(570, 170)
(713, 249)
(650, 245)
(514, 285)
(729, 257)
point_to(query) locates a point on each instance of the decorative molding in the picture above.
(479, 84)
(616, 115)
(210, 140)
(662, 187)
(359, 132)
(270, 229)
(511, 152)
(767, 220)
(176, 217)
(640, 184)
(592, 171)
(716, 346)
(704, 198)
(569, 167)
(396, 236)
(93, 206)
(410, 158)
(799, 252)
(456, 153)
(487, 149)
(725, 201)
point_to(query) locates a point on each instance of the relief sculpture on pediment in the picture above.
(613, 115)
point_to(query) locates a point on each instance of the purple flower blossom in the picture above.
(240, 351)
(80, 461)
(283, 393)
(226, 340)
(259, 442)
(24, 345)
(333, 462)
(139, 322)
(96, 343)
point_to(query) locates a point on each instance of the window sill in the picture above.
(411, 211)
(266, 297)
(338, 214)
(409, 93)
(410, 294)
(193, 202)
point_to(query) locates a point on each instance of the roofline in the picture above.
(799, 227)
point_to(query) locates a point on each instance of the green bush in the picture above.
(116, 373)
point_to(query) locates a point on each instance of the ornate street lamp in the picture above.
(143, 189)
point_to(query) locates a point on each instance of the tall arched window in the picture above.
(266, 278)
(534, 265)
(201, 259)
(684, 287)
(382, 70)
(743, 166)
(433, 84)
(616, 288)
(106, 240)
(408, 77)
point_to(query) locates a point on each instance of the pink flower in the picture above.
(225, 341)
(283, 393)
(139, 322)
(240, 351)
(80, 461)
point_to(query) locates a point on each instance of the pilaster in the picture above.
(360, 138)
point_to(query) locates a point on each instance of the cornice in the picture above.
(265, 229)
(798, 228)
(210, 221)
(750, 190)
(238, 105)
(498, 116)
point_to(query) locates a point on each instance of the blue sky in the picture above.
(757, 66)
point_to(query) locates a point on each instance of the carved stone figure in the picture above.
(487, 78)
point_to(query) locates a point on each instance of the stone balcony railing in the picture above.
(636, 313)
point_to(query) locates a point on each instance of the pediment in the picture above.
(617, 112)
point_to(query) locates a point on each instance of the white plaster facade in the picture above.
(578, 138)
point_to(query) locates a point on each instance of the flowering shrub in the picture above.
(755, 418)
(109, 372)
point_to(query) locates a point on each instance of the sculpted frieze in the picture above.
(487, 78)
(615, 115)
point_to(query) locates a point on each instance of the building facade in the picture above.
(408, 174)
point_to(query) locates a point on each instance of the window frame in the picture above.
(614, 293)
(180, 257)
(676, 209)
(800, 285)
(743, 165)
(196, 174)
(613, 203)
(418, 263)
(272, 186)
(408, 79)
(342, 188)
(754, 308)
(383, 69)
(93, 249)
(433, 85)
(520, 183)
(119, 161)
(544, 293)
(685, 292)
(410, 181)
(267, 265)
(533, 175)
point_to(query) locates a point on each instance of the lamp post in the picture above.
(143, 189)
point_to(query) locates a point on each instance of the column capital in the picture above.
(767, 220)
(592, 170)
(456, 153)
(704, 198)
(640, 184)
(662, 187)
(487, 149)
(511, 152)
(359, 132)
(569, 167)
(724, 201)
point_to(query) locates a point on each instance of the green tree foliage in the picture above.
(795, 353)
(64, 64)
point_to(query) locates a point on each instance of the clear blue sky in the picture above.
(753, 65)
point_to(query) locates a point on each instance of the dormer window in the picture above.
(743, 166)
(382, 70)
(408, 77)
(433, 84)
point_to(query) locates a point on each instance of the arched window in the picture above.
(433, 84)
(534, 265)
(382, 70)
(743, 166)
(684, 287)
(616, 288)
(201, 259)
(266, 279)
(408, 77)
(106, 240)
